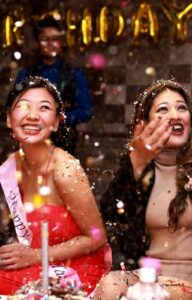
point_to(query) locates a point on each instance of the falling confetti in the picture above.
(44, 190)
(29, 207)
(38, 200)
(95, 232)
(97, 61)
(122, 265)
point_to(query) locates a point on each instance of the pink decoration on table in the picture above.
(70, 276)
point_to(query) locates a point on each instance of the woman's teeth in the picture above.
(177, 127)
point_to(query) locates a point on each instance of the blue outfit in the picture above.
(74, 91)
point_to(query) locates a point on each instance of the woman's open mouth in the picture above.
(177, 129)
(31, 129)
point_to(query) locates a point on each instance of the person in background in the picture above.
(69, 80)
(148, 205)
(42, 182)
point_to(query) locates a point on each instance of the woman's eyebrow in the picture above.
(47, 101)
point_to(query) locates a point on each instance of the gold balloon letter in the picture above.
(19, 21)
(178, 19)
(108, 30)
(144, 23)
(71, 22)
(7, 35)
(86, 26)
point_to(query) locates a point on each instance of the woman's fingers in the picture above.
(7, 262)
(158, 144)
(163, 139)
(150, 138)
(161, 131)
(139, 129)
(151, 127)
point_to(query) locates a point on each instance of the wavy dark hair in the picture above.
(184, 187)
(184, 159)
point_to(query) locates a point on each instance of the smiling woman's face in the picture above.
(171, 105)
(33, 116)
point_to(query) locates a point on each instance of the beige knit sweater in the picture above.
(174, 249)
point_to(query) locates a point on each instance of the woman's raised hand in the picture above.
(148, 141)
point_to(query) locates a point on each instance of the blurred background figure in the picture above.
(69, 80)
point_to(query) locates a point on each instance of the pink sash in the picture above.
(12, 195)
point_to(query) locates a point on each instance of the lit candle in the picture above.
(45, 260)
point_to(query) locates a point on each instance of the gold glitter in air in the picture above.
(19, 176)
(24, 107)
(29, 207)
(48, 142)
(120, 204)
(44, 190)
(166, 244)
(38, 200)
(120, 211)
(146, 179)
(39, 179)
(150, 71)
(21, 153)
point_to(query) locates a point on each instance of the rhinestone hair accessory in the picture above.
(35, 82)
(158, 83)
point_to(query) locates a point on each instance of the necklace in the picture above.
(44, 189)
(167, 157)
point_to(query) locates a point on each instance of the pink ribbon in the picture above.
(12, 195)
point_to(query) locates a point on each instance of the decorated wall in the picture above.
(122, 45)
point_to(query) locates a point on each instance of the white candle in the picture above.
(45, 260)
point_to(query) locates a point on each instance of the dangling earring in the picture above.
(21, 152)
(12, 134)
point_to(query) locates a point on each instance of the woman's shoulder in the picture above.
(65, 164)
(62, 156)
